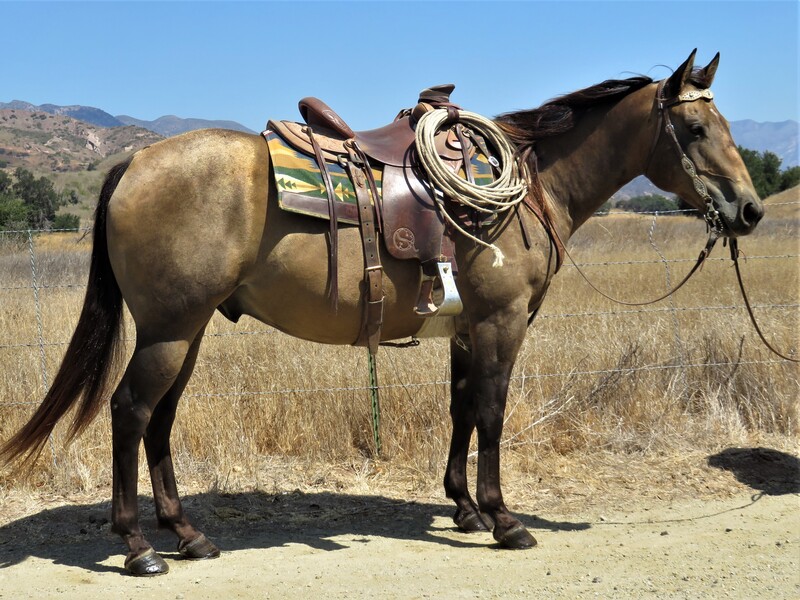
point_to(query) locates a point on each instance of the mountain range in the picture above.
(167, 125)
(69, 138)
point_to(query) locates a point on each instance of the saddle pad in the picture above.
(301, 188)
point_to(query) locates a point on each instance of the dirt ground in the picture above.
(728, 526)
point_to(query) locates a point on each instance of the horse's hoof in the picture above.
(198, 549)
(147, 564)
(472, 522)
(516, 538)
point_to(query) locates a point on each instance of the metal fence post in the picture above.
(376, 405)
(39, 328)
(679, 346)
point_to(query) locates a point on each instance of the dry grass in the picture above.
(685, 375)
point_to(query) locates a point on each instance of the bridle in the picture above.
(713, 220)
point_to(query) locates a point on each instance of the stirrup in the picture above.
(451, 302)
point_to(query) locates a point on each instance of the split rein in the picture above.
(713, 236)
(735, 258)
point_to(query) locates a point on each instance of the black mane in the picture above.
(559, 115)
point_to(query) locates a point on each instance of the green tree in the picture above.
(790, 178)
(28, 202)
(5, 182)
(755, 166)
(765, 171)
(13, 213)
(66, 221)
(648, 203)
(39, 195)
(771, 164)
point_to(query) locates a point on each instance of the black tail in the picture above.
(91, 352)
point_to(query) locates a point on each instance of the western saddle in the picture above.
(405, 209)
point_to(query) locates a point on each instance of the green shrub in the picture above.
(66, 221)
(648, 203)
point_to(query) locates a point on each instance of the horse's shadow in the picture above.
(772, 472)
(80, 536)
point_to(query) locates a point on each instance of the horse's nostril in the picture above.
(752, 213)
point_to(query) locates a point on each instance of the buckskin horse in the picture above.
(191, 225)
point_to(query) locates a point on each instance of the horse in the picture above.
(191, 225)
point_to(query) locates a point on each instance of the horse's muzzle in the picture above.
(740, 216)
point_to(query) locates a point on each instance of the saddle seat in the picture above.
(387, 145)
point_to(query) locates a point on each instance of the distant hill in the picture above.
(780, 138)
(87, 114)
(171, 125)
(167, 125)
(45, 142)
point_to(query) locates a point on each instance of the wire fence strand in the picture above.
(35, 285)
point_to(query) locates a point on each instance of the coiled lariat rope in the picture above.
(508, 189)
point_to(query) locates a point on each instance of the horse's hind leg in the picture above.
(154, 368)
(191, 542)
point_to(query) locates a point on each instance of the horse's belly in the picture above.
(290, 290)
(311, 317)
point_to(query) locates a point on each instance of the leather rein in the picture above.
(735, 257)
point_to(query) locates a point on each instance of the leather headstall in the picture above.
(662, 106)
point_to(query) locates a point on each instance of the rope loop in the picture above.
(509, 188)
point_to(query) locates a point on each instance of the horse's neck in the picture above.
(609, 147)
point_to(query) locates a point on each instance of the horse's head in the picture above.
(694, 155)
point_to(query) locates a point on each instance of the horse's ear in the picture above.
(711, 70)
(681, 75)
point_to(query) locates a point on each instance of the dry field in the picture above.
(684, 378)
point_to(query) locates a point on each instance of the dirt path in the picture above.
(373, 545)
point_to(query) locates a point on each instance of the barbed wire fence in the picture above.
(26, 243)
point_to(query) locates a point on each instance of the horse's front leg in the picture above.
(462, 413)
(495, 346)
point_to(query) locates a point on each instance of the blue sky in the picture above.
(250, 61)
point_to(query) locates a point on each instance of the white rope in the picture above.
(505, 192)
